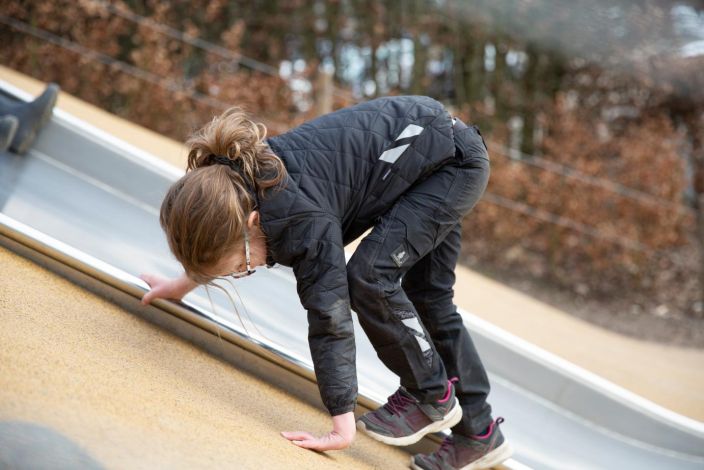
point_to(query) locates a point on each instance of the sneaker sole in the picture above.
(452, 418)
(490, 460)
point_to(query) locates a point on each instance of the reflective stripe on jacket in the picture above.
(346, 169)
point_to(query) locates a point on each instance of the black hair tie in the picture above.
(234, 164)
(237, 166)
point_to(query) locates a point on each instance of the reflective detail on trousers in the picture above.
(426, 285)
(410, 320)
(401, 307)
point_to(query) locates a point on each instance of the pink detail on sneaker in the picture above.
(448, 393)
(446, 445)
(498, 420)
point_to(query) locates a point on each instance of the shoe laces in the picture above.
(446, 446)
(398, 402)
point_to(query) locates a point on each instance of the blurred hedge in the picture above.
(627, 129)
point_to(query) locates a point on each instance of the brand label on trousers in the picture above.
(399, 255)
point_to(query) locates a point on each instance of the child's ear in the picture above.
(253, 219)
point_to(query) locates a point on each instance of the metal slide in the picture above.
(91, 201)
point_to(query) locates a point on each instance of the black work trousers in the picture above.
(401, 280)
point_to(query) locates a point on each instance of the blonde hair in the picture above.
(204, 213)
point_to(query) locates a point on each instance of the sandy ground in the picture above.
(129, 395)
(670, 376)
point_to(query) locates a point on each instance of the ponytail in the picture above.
(234, 136)
(204, 213)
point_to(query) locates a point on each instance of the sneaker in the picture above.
(8, 129)
(32, 116)
(403, 420)
(467, 453)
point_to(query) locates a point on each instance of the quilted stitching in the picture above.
(329, 183)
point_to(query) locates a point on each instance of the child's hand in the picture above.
(340, 437)
(162, 288)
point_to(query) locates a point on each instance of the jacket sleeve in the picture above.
(321, 281)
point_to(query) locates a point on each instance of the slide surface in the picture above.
(102, 197)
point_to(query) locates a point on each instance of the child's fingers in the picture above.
(308, 441)
(146, 298)
(321, 444)
(312, 444)
(297, 435)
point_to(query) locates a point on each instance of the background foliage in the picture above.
(593, 110)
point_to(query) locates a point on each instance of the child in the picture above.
(398, 165)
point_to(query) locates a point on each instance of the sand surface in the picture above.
(670, 376)
(129, 395)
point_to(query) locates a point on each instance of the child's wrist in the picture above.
(185, 284)
(345, 425)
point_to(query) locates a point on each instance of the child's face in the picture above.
(247, 254)
(235, 263)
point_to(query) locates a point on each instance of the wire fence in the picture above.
(201, 43)
(572, 173)
(525, 159)
(566, 222)
(501, 149)
(170, 84)
(516, 206)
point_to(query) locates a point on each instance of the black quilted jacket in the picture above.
(345, 169)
